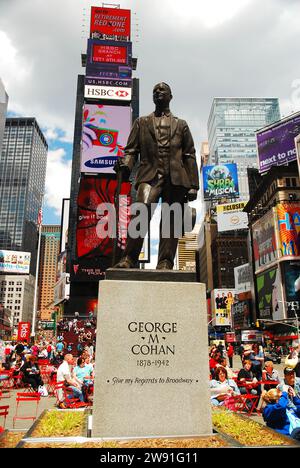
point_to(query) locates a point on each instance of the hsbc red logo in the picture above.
(104, 92)
(122, 93)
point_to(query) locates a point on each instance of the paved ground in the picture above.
(28, 408)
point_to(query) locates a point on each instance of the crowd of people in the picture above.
(279, 397)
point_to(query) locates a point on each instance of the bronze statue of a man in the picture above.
(167, 169)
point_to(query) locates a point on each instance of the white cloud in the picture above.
(58, 179)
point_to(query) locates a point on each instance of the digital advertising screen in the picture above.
(264, 241)
(220, 181)
(276, 144)
(288, 219)
(105, 131)
(96, 218)
(109, 59)
(109, 23)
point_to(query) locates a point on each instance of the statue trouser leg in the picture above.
(148, 195)
(171, 195)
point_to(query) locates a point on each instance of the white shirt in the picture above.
(63, 372)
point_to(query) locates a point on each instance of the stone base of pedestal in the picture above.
(151, 372)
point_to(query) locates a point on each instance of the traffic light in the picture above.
(257, 324)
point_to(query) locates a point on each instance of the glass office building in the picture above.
(231, 132)
(3, 109)
(23, 163)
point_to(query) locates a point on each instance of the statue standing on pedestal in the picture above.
(167, 169)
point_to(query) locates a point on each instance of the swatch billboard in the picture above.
(105, 132)
(220, 181)
(288, 219)
(276, 143)
(110, 23)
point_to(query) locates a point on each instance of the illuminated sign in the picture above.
(109, 23)
(106, 92)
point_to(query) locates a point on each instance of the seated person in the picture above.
(213, 362)
(64, 374)
(246, 376)
(290, 380)
(31, 372)
(270, 374)
(223, 363)
(222, 387)
(276, 413)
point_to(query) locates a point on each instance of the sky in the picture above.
(201, 48)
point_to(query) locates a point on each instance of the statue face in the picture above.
(161, 94)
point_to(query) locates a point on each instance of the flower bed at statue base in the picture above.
(9, 439)
(68, 429)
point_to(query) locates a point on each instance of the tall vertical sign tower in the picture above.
(104, 112)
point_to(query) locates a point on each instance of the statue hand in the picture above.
(121, 167)
(192, 194)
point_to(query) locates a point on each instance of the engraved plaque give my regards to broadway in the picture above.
(151, 360)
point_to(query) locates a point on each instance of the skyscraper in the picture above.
(50, 242)
(22, 183)
(231, 132)
(3, 109)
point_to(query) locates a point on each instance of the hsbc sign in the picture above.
(107, 92)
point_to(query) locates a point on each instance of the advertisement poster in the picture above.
(251, 336)
(241, 315)
(24, 331)
(291, 273)
(230, 217)
(96, 218)
(109, 59)
(14, 262)
(243, 278)
(220, 181)
(222, 300)
(269, 293)
(288, 218)
(104, 136)
(110, 23)
(264, 241)
(276, 144)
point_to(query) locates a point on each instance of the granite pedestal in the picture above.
(151, 372)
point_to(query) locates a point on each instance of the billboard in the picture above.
(269, 294)
(264, 241)
(105, 132)
(241, 315)
(288, 222)
(108, 93)
(231, 217)
(248, 336)
(220, 181)
(14, 262)
(64, 227)
(291, 274)
(110, 23)
(96, 217)
(242, 278)
(62, 289)
(222, 300)
(109, 59)
(297, 146)
(276, 143)
(24, 331)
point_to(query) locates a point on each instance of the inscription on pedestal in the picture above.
(151, 360)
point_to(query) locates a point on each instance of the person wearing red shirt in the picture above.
(230, 353)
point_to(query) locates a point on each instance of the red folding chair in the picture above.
(26, 397)
(63, 393)
(5, 383)
(4, 414)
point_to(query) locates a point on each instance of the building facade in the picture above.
(231, 132)
(188, 245)
(23, 163)
(50, 247)
(17, 294)
(3, 110)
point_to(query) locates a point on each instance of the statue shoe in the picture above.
(164, 265)
(125, 262)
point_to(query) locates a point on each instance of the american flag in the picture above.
(40, 217)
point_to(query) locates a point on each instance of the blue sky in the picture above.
(202, 48)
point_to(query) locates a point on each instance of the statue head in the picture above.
(162, 94)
